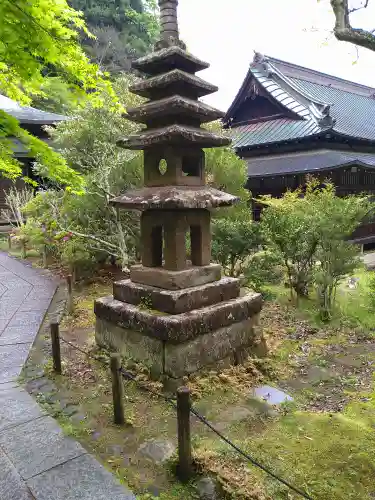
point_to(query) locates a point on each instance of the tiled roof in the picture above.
(282, 129)
(319, 103)
(26, 114)
(310, 161)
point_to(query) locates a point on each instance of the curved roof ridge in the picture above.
(318, 110)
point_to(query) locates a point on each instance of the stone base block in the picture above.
(178, 328)
(175, 280)
(221, 347)
(176, 302)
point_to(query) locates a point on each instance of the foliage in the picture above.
(36, 37)
(371, 292)
(235, 238)
(88, 143)
(123, 30)
(310, 231)
(292, 233)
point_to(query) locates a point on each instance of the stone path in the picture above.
(37, 462)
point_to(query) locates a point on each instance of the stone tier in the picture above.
(170, 107)
(178, 328)
(171, 83)
(174, 135)
(168, 59)
(174, 197)
(165, 279)
(176, 302)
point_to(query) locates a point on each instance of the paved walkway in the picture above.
(37, 462)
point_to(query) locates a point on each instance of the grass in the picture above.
(327, 453)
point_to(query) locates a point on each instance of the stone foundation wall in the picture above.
(228, 344)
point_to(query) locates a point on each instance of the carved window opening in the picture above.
(191, 166)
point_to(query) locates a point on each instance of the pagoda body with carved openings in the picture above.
(176, 315)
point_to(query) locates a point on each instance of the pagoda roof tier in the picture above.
(174, 197)
(172, 106)
(173, 82)
(174, 135)
(170, 58)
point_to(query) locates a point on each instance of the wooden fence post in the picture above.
(9, 242)
(70, 293)
(44, 255)
(23, 249)
(56, 355)
(185, 463)
(117, 390)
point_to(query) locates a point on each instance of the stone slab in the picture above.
(176, 302)
(272, 395)
(22, 334)
(37, 446)
(12, 358)
(175, 280)
(12, 486)
(27, 318)
(178, 328)
(17, 407)
(82, 478)
(206, 350)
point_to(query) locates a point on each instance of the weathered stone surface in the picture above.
(167, 59)
(170, 82)
(179, 327)
(158, 451)
(80, 479)
(175, 135)
(12, 487)
(130, 343)
(12, 357)
(206, 350)
(207, 489)
(17, 407)
(175, 280)
(174, 197)
(171, 106)
(21, 334)
(36, 446)
(176, 302)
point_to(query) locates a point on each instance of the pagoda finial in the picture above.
(169, 23)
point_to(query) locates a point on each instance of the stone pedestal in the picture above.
(190, 330)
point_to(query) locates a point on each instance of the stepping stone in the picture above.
(37, 446)
(157, 450)
(17, 407)
(12, 487)
(80, 479)
(272, 395)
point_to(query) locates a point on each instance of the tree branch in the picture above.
(343, 29)
(364, 6)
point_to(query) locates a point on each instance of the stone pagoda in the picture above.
(175, 314)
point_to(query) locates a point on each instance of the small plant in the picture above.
(371, 288)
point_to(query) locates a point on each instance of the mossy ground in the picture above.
(323, 442)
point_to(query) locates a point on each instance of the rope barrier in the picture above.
(129, 376)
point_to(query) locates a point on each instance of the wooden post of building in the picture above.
(117, 390)
(185, 463)
(55, 340)
(70, 293)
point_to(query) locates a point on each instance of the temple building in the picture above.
(288, 121)
(33, 120)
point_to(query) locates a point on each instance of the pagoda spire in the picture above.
(168, 19)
